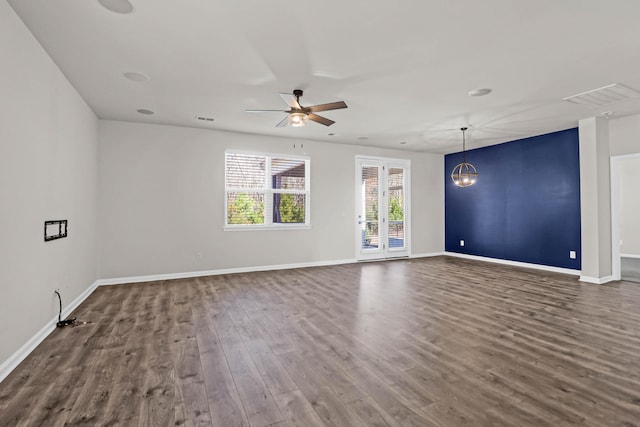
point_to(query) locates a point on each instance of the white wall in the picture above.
(47, 171)
(161, 202)
(624, 141)
(595, 199)
(624, 135)
(629, 173)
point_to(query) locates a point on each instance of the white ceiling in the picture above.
(404, 67)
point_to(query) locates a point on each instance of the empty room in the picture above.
(261, 213)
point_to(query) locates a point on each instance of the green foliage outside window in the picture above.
(396, 212)
(372, 212)
(290, 211)
(245, 210)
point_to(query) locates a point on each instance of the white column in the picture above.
(595, 200)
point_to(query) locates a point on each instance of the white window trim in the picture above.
(268, 194)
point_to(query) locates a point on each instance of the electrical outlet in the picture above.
(461, 242)
(572, 254)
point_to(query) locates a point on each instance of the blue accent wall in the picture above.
(525, 205)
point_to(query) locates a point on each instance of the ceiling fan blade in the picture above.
(326, 107)
(283, 122)
(266, 111)
(319, 119)
(290, 100)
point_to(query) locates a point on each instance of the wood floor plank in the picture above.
(257, 401)
(268, 365)
(157, 407)
(432, 342)
(297, 410)
(191, 403)
(95, 395)
(371, 414)
(19, 410)
(316, 387)
(386, 398)
(408, 389)
(224, 402)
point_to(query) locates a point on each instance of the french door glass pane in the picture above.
(396, 207)
(369, 225)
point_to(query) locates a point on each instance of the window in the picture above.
(266, 191)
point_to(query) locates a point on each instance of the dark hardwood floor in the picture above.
(426, 342)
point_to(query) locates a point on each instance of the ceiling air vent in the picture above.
(604, 95)
(204, 119)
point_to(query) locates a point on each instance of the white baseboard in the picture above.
(190, 274)
(629, 256)
(517, 263)
(427, 255)
(16, 358)
(597, 280)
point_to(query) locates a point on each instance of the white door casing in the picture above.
(382, 208)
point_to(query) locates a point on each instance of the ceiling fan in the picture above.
(299, 115)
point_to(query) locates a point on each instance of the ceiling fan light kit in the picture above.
(464, 174)
(297, 119)
(298, 115)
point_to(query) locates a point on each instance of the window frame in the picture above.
(268, 193)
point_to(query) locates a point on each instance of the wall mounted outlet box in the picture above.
(461, 242)
(572, 254)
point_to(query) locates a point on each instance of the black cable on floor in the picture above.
(62, 323)
(60, 301)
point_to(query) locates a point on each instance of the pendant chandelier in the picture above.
(464, 174)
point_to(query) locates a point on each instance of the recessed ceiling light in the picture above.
(136, 77)
(117, 6)
(331, 134)
(480, 92)
(607, 113)
(403, 142)
(146, 112)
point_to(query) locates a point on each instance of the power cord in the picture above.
(62, 323)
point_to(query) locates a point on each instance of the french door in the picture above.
(382, 208)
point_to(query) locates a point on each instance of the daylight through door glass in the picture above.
(369, 225)
(396, 208)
